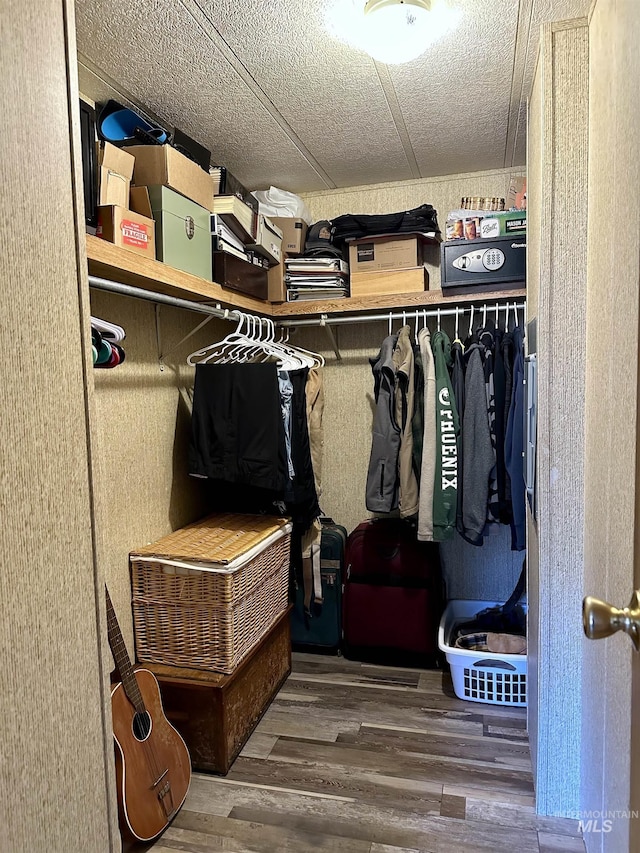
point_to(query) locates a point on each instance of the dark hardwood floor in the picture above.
(355, 758)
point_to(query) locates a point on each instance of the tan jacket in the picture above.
(314, 393)
(404, 401)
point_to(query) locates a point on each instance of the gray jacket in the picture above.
(477, 451)
(382, 477)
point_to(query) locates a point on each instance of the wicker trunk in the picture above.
(214, 713)
(204, 595)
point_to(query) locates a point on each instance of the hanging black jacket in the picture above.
(514, 445)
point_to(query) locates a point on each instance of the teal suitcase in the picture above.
(321, 630)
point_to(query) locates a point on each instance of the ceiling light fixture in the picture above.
(391, 31)
(396, 31)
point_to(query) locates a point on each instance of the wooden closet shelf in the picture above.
(411, 301)
(117, 264)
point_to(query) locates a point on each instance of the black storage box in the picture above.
(496, 262)
(243, 276)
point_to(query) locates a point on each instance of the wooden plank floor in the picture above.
(356, 758)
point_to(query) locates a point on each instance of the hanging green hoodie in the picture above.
(445, 492)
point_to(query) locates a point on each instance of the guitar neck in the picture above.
(119, 651)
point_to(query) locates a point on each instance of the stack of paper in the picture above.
(225, 239)
(316, 278)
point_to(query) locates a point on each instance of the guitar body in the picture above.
(153, 767)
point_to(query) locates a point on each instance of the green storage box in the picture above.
(183, 238)
(503, 223)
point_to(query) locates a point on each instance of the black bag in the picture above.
(321, 631)
(423, 219)
(507, 618)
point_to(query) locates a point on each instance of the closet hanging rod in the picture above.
(406, 315)
(163, 299)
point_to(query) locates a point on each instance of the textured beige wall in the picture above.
(558, 143)
(53, 766)
(444, 193)
(141, 436)
(611, 422)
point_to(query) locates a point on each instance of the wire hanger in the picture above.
(438, 314)
(473, 308)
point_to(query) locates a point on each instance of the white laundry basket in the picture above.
(498, 679)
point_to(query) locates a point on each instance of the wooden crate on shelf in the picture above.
(412, 280)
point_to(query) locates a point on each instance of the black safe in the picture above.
(498, 261)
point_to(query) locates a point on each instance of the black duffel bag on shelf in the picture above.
(423, 219)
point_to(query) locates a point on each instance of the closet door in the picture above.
(611, 713)
(57, 751)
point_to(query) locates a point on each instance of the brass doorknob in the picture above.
(600, 619)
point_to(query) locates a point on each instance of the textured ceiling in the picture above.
(280, 101)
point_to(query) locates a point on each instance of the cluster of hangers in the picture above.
(254, 340)
(483, 312)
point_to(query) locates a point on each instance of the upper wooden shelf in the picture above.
(117, 264)
(411, 301)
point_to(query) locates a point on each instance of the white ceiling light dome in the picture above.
(391, 31)
(396, 31)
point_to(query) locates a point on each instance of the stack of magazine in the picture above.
(316, 278)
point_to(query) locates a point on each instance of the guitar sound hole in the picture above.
(141, 725)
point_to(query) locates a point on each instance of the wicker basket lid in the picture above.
(220, 538)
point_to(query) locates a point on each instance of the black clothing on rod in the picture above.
(304, 507)
(237, 432)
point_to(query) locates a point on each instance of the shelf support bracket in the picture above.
(162, 355)
(332, 339)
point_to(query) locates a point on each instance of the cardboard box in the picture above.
(162, 165)
(294, 233)
(517, 195)
(184, 239)
(268, 240)
(115, 169)
(503, 223)
(383, 283)
(277, 289)
(130, 229)
(376, 254)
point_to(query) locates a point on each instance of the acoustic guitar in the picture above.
(153, 767)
